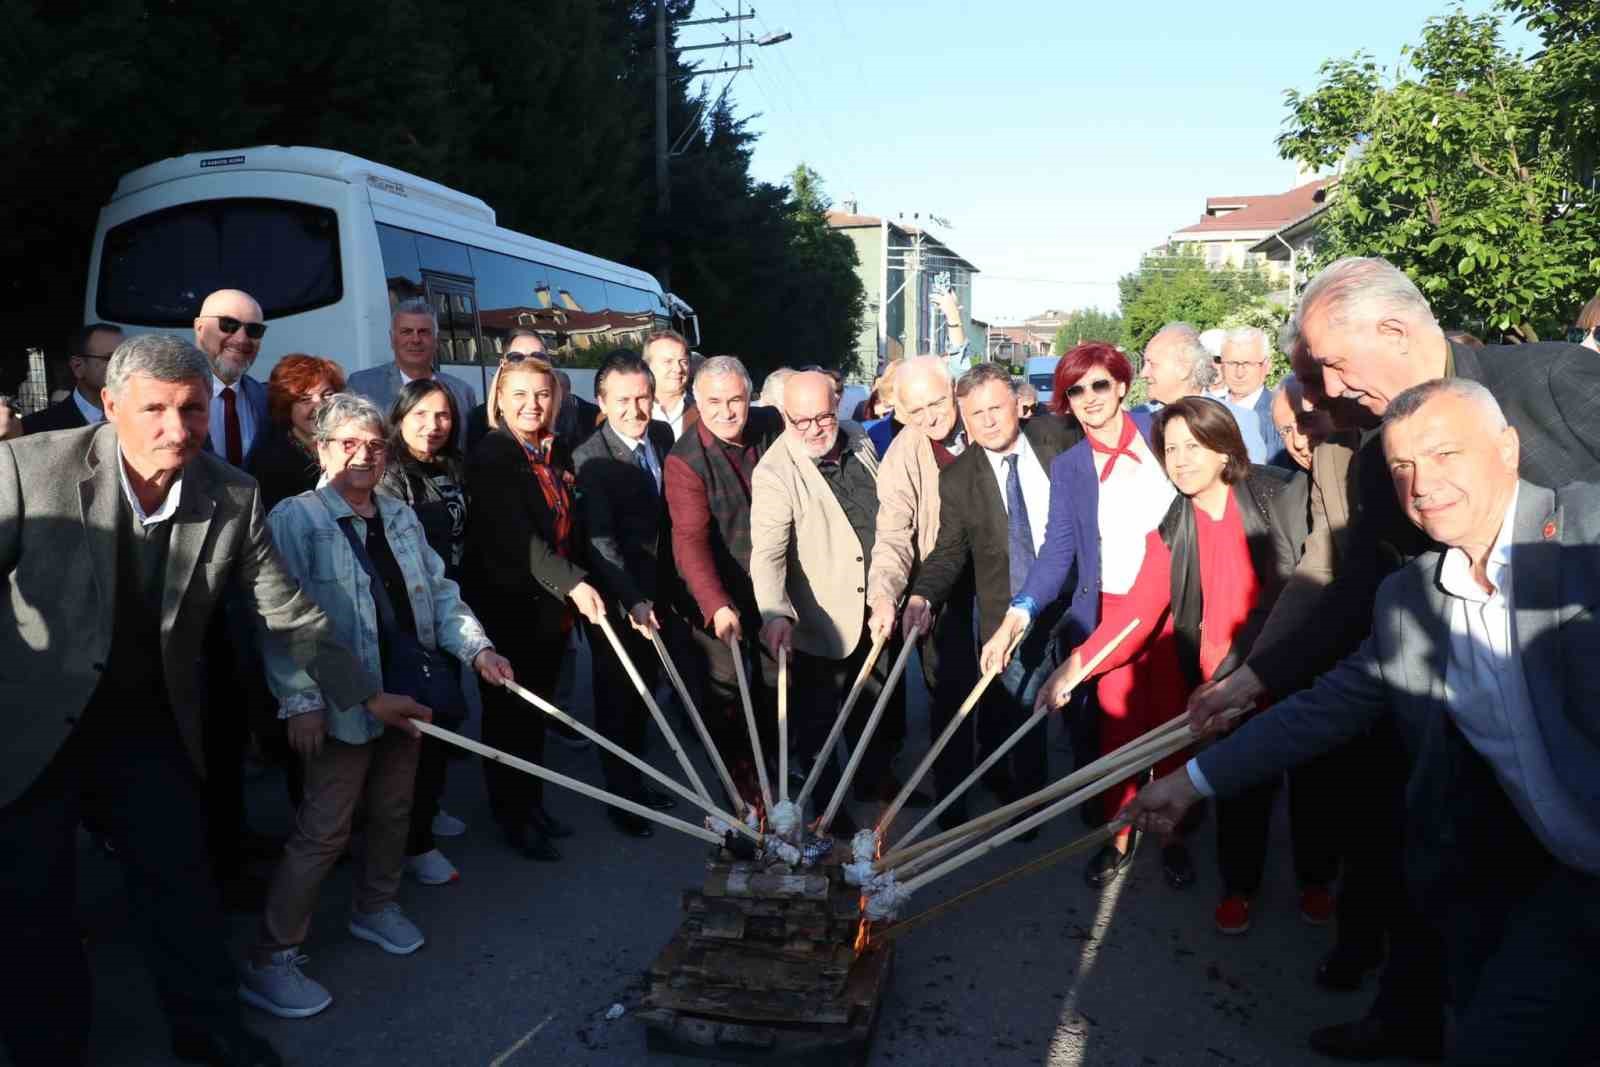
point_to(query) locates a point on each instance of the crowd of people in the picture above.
(303, 567)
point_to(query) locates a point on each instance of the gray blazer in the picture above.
(1400, 668)
(59, 495)
(382, 384)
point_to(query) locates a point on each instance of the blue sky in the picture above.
(1060, 139)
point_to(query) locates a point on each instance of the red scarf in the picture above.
(1123, 447)
(553, 484)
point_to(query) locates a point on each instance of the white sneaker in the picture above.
(281, 988)
(447, 825)
(389, 929)
(431, 868)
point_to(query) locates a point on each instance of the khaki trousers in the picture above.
(383, 774)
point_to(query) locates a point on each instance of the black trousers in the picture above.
(432, 759)
(724, 711)
(227, 737)
(126, 769)
(513, 726)
(818, 687)
(620, 714)
(950, 669)
(1243, 820)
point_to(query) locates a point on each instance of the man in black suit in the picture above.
(625, 520)
(993, 503)
(1371, 335)
(89, 349)
(575, 421)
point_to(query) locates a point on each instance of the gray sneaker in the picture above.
(389, 929)
(280, 988)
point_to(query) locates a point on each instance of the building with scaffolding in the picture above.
(903, 267)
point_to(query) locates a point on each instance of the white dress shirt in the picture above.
(91, 414)
(673, 420)
(1035, 485)
(650, 458)
(218, 425)
(1133, 501)
(169, 506)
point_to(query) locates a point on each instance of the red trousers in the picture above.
(1137, 697)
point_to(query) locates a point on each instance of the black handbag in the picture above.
(429, 677)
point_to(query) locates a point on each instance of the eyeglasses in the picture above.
(1101, 387)
(826, 421)
(1025, 411)
(1577, 334)
(518, 357)
(314, 398)
(1237, 365)
(351, 445)
(230, 326)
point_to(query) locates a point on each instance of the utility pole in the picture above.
(663, 179)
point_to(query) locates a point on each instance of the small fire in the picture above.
(863, 930)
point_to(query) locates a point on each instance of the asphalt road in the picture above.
(524, 960)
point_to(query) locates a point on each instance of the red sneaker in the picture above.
(1233, 914)
(1316, 905)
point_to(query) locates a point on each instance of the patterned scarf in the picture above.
(556, 497)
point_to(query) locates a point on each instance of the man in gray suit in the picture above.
(1482, 653)
(414, 337)
(116, 542)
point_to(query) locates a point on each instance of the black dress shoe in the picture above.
(548, 824)
(1370, 1038)
(532, 843)
(1177, 865)
(1343, 970)
(1106, 864)
(630, 824)
(226, 1046)
(655, 799)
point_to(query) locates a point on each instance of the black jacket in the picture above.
(1272, 509)
(281, 466)
(972, 524)
(625, 518)
(512, 577)
(62, 415)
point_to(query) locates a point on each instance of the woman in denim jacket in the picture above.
(349, 756)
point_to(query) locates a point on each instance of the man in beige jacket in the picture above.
(813, 519)
(908, 527)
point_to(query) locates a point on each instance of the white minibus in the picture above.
(329, 242)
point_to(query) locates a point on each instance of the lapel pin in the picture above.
(1549, 529)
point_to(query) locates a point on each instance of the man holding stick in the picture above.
(707, 476)
(619, 496)
(907, 530)
(813, 514)
(993, 501)
(1481, 653)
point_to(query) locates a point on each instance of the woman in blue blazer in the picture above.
(1106, 494)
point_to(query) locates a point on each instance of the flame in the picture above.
(863, 932)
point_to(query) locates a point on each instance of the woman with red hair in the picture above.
(286, 463)
(1107, 493)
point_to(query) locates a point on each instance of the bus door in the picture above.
(460, 338)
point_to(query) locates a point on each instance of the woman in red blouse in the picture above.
(1211, 572)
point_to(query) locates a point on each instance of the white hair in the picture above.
(1185, 339)
(156, 355)
(1250, 335)
(720, 365)
(418, 306)
(772, 387)
(1414, 399)
(915, 364)
(342, 408)
(1362, 282)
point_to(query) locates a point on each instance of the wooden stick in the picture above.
(655, 709)
(926, 765)
(698, 721)
(866, 733)
(1133, 762)
(628, 757)
(557, 778)
(783, 725)
(750, 721)
(1010, 833)
(839, 720)
(998, 754)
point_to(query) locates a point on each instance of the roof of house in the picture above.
(844, 220)
(1260, 214)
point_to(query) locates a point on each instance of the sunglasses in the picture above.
(230, 326)
(518, 357)
(1026, 411)
(1577, 334)
(1101, 387)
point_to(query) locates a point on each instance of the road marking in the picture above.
(514, 1049)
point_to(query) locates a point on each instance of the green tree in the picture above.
(1176, 285)
(1465, 165)
(1088, 324)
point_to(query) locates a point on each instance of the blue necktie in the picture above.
(640, 461)
(1019, 535)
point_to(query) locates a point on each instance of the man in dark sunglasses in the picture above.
(90, 349)
(228, 330)
(1027, 401)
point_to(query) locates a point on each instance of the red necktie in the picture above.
(233, 438)
(1123, 447)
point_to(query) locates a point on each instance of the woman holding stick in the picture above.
(520, 574)
(1211, 572)
(1106, 494)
